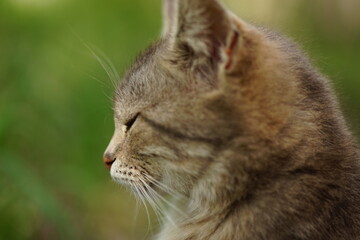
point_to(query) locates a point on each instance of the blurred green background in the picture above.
(55, 107)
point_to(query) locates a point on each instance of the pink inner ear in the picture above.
(230, 50)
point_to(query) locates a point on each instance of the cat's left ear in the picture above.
(201, 28)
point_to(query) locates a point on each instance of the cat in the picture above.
(235, 120)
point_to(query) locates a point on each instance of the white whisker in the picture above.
(164, 199)
(109, 64)
(138, 189)
(106, 64)
(157, 209)
(160, 205)
(160, 185)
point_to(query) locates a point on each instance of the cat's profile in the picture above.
(235, 120)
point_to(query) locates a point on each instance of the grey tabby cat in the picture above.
(235, 120)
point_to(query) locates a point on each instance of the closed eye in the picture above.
(131, 122)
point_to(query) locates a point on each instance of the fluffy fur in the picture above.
(236, 121)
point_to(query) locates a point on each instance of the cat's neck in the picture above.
(202, 223)
(204, 214)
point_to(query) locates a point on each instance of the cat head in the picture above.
(178, 107)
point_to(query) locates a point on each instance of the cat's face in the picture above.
(174, 111)
(167, 126)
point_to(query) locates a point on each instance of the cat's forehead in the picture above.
(142, 82)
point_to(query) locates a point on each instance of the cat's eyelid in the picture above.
(131, 121)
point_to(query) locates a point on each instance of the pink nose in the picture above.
(108, 160)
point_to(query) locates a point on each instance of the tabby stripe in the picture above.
(175, 134)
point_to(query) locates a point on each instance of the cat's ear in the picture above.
(170, 14)
(200, 28)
